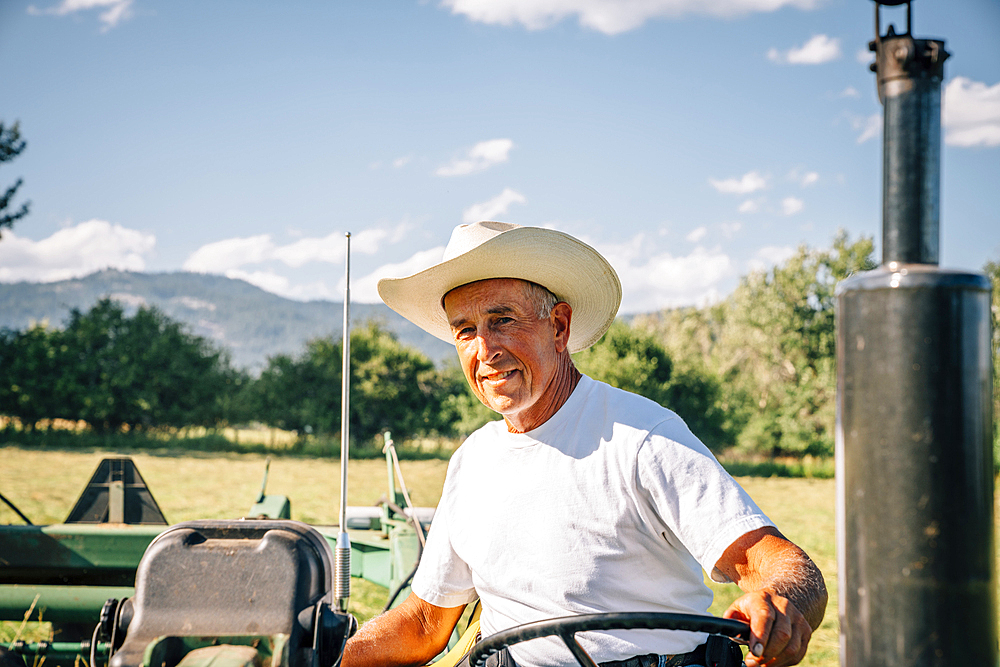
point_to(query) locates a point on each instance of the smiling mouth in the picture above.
(497, 377)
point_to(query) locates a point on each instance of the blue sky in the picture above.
(690, 141)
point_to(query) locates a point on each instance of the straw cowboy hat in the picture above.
(570, 269)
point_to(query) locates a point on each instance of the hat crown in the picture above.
(567, 267)
(466, 237)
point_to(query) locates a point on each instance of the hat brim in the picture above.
(570, 269)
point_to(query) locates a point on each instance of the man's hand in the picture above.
(779, 633)
(785, 596)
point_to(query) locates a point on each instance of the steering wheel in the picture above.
(567, 627)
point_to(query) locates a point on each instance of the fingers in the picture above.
(779, 633)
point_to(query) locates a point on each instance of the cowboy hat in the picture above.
(570, 269)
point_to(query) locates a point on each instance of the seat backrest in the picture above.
(227, 578)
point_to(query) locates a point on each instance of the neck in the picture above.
(556, 394)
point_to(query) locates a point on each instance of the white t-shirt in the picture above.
(610, 505)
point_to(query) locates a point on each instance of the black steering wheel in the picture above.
(567, 627)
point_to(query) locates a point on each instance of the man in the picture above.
(585, 498)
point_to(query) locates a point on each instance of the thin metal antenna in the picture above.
(343, 551)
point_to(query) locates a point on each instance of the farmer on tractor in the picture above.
(585, 498)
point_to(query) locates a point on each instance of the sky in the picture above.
(689, 141)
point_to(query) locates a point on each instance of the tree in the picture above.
(399, 388)
(772, 346)
(778, 343)
(302, 394)
(144, 370)
(393, 387)
(34, 384)
(633, 360)
(11, 146)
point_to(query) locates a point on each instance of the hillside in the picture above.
(236, 316)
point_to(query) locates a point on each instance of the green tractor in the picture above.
(122, 586)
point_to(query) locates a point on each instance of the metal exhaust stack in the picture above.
(914, 425)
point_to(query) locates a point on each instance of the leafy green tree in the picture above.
(143, 370)
(302, 394)
(777, 348)
(632, 359)
(34, 384)
(772, 345)
(11, 145)
(393, 387)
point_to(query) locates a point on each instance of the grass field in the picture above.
(44, 485)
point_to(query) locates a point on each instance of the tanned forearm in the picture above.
(800, 581)
(411, 634)
(770, 562)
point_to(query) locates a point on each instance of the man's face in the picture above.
(509, 355)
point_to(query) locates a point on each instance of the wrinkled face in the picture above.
(509, 355)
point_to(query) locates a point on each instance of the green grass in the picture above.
(70, 436)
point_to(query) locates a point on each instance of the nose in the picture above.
(486, 347)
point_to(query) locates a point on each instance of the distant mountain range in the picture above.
(233, 314)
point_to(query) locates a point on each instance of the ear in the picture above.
(562, 314)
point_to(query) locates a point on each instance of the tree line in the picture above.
(754, 373)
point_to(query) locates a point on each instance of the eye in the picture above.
(465, 332)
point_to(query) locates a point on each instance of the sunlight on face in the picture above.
(509, 356)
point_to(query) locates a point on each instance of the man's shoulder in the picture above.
(617, 400)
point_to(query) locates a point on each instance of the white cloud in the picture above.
(228, 254)
(697, 234)
(864, 56)
(221, 256)
(850, 91)
(493, 208)
(74, 252)
(819, 49)
(653, 278)
(751, 205)
(282, 286)
(791, 205)
(482, 156)
(804, 179)
(608, 16)
(769, 256)
(749, 182)
(871, 127)
(330, 249)
(730, 229)
(370, 241)
(401, 161)
(365, 289)
(971, 113)
(115, 11)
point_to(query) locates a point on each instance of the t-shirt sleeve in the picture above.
(442, 578)
(693, 496)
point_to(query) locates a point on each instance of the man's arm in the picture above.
(785, 596)
(411, 634)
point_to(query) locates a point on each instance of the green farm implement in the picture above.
(115, 570)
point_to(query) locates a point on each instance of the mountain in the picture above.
(234, 315)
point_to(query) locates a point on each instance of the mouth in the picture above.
(497, 377)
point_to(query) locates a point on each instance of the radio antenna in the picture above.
(343, 551)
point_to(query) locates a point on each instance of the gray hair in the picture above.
(540, 298)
